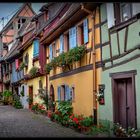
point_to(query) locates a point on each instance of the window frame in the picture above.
(36, 53)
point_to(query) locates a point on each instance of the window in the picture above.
(40, 84)
(125, 10)
(52, 49)
(80, 34)
(36, 48)
(26, 59)
(20, 22)
(119, 12)
(83, 32)
(61, 44)
(65, 93)
(66, 41)
(72, 37)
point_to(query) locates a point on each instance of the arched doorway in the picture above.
(52, 98)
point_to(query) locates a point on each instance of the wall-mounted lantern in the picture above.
(100, 95)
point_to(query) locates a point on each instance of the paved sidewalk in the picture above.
(24, 123)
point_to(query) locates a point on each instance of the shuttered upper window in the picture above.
(35, 48)
(65, 93)
(121, 12)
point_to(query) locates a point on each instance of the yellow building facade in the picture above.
(80, 78)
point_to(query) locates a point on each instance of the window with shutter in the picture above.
(72, 94)
(59, 93)
(72, 37)
(26, 59)
(125, 11)
(61, 44)
(36, 48)
(85, 25)
(51, 51)
(67, 93)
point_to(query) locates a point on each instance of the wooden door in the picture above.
(124, 103)
(30, 96)
(52, 98)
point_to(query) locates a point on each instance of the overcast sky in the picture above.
(7, 10)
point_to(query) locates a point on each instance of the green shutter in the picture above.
(36, 48)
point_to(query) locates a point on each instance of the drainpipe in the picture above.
(94, 62)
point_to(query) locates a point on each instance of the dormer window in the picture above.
(21, 21)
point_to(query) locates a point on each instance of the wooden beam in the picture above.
(118, 43)
(125, 39)
(110, 46)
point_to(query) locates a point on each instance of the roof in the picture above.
(15, 15)
(45, 7)
(72, 9)
(12, 52)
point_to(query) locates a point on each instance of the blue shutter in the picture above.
(70, 38)
(61, 44)
(71, 94)
(51, 55)
(74, 37)
(36, 48)
(59, 93)
(67, 93)
(85, 25)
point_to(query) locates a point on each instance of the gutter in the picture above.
(94, 61)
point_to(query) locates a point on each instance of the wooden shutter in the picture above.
(51, 54)
(42, 57)
(67, 93)
(85, 25)
(61, 44)
(36, 48)
(59, 93)
(70, 38)
(110, 14)
(71, 94)
(74, 37)
(135, 8)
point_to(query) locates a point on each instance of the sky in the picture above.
(7, 10)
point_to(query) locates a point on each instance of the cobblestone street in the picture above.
(24, 123)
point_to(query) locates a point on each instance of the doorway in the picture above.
(124, 102)
(30, 96)
(52, 98)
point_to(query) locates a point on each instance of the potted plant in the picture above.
(48, 68)
(22, 93)
(22, 65)
(6, 97)
(33, 71)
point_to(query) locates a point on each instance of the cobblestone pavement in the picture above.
(24, 123)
